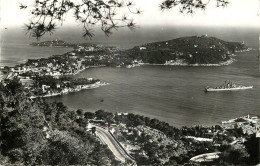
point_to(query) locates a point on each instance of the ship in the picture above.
(227, 86)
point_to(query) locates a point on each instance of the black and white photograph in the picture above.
(130, 82)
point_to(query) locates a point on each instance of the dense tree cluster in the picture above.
(253, 147)
(34, 132)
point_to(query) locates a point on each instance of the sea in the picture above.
(174, 94)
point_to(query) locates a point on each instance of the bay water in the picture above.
(169, 93)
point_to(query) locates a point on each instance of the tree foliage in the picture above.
(34, 132)
(108, 14)
(190, 6)
(253, 147)
(47, 13)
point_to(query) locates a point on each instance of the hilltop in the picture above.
(186, 50)
(192, 50)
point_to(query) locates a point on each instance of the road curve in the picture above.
(113, 145)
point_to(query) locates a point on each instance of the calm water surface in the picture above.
(169, 93)
(17, 53)
(173, 94)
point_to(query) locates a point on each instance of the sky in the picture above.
(238, 13)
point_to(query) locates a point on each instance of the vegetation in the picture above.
(190, 7)
(40, 133)
(252, 145)
(57, 85)
(46, 14)
(185, 50)
(192, 50)
(34, 132)
(161, 144)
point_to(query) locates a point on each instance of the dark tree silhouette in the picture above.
(46, 14)
(190, 6)
(253, 148)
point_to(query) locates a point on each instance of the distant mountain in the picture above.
(189, 50)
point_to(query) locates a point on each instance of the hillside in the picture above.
(188, 50)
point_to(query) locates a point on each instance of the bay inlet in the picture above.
(174, 94)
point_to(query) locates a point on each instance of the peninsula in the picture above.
(53, 43)
(184, 51)
(193, 50)
(61, 43)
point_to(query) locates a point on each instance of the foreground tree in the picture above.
(190, 6)
(46, 14)
(34, 132)
(253, 147)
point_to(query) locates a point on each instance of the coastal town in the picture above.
(132, 139)
(154, 142)
(52, 76)
(129, 83)
(58, 67)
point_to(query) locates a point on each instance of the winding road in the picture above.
(107, 138)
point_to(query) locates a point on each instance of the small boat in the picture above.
(227, 86)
